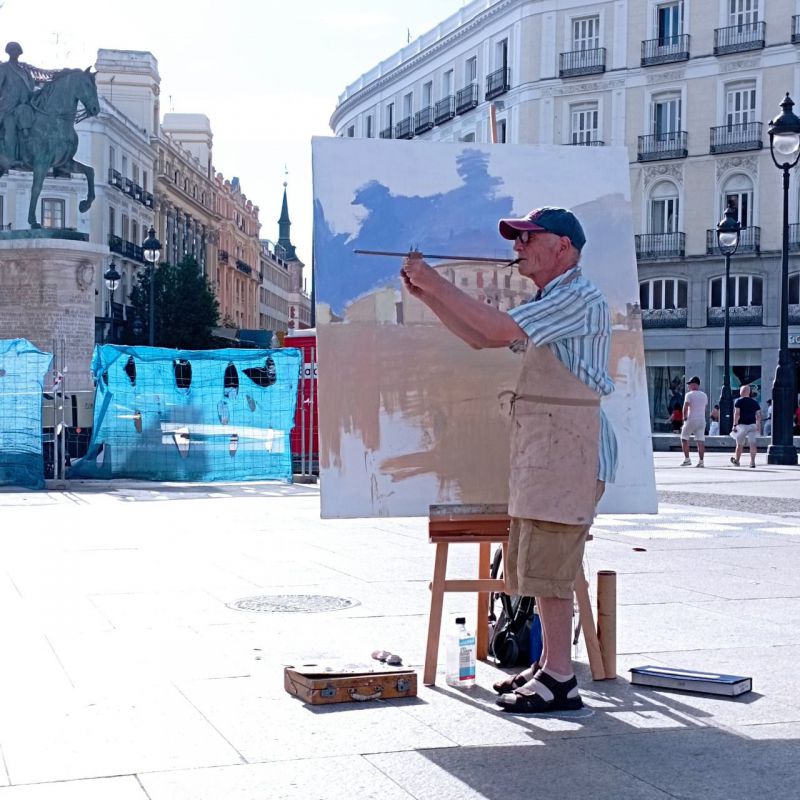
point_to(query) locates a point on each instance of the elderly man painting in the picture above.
(563, 450)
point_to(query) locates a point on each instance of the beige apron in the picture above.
(555, 431)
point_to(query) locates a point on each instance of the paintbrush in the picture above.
(432, 255)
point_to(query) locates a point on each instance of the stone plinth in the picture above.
(47, 296)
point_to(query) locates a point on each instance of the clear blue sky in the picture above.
(266, 73)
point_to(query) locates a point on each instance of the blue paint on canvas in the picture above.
(446, 222)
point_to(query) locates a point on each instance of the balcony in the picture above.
(659, 146)
(467, 98)
(588, 143)
(749, 241)
(582, 62)
(115, 178)
(129, 187)
(404, 129)
(147, 199)
(115, 244)
(665, 50)
(423, 120)
(222, 256)
(652, 246)
(796, 28)
(243, 266)
(126, 249)
(665, 318)
(498, 82)
(739, 316)
(731, 138)
(444, 110)
(386, 133)
(738, 38)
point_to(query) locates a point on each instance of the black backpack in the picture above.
(517, 623)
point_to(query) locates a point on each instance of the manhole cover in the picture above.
(305, 603)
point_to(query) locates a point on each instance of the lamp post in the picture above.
(727, 241)
(784, 146)
(152, 252)
(112, 278)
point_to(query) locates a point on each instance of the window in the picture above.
(664, 208)
(738, 192)
(125, 227)
(134, 231)
(666, 116)
(583, 123)
(468, 137)
(740, 104)
(742, 12)
(501, 131)
(351, 131)
(501, 54)
(471, 70)
(124, 166)
(669, 22)
(408, 101)
(586, 33)
(1, 211)
(390, 115)
(794, 289)
(447, 83)
(663, 293)
(52, 213)
(745, 290)
(370, 132)
(112, 158)
(144, 179)
(427, 94)
(136, 174)
(112, 221)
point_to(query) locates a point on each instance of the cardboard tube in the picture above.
(607, 620)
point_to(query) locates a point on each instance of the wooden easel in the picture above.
(485, 525)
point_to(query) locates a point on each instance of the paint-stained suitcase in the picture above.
(318, 684)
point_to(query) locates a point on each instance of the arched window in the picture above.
(663, 216)
(794, 289)
(663, 293)
(745, 290)
(738, 191)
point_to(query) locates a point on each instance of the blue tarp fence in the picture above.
(191, 415)
(23, 368)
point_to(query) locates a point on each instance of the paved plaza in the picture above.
(126, 674)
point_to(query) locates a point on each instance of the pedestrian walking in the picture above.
(746, 422)
(695, 404)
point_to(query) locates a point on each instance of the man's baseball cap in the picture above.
(560, 221)
(694, 380)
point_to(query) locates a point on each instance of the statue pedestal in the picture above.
(47, 296)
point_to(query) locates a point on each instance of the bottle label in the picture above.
(466, 660)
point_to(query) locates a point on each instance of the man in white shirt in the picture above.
(695, 404)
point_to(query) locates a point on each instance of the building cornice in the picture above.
(429, 52)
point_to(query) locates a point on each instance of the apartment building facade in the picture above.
(687, 87)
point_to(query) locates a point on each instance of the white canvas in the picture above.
(409, 415)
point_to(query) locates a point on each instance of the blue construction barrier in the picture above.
(191, 415)
(23, 368)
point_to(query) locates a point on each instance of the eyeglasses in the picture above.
(523, 237)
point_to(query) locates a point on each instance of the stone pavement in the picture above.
(126, 675)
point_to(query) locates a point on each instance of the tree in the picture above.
(186, 310)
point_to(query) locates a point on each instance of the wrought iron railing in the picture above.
(467, 98)
(738, 38)
(749, 241)
(243, 266)
(115, 178)
(387, 133)
(730, 138)
(739, 316)
(444, 110)
(665, 317)
(222, 255)
(423, 120)
(404, 129)
(665, 50)
(582, 62)
(657, 146)
(588, 143)
(498, 82)
(660, 245)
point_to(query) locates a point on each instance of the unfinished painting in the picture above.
(409, 415)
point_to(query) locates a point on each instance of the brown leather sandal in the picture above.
(527, 701)
(515, 681)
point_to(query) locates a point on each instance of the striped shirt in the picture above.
(572, 319)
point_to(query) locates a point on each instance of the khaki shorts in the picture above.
(694, 427)
(545, 557)
(745, 434)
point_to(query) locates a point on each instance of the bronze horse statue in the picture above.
(47, 137)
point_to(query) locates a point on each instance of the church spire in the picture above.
(284, 223)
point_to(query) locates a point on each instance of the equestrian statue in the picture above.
(38, 112)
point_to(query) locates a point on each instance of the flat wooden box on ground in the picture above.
(319, 684)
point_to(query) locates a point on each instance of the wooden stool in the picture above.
(484, 525)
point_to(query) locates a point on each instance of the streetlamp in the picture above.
(728, 241)
(112, 279)
(784, 146)
(152, 252)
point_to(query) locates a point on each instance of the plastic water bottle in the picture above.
(461, 656)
